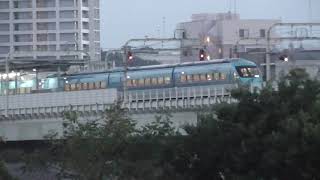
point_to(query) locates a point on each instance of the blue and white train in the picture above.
(215, 72)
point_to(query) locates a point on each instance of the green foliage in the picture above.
(4, 174)
(270, 135)
(108, 148)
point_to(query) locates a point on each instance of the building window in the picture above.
(23, 48)
(22, 4)
(4, 27)
(4, 4)
(67, 47)
(23, 38)
(67, 3)
(46, 26)
(4, 16)
(85, 14)
(85, 3)
(86, 47)
(46, 15)
(85, 25)
(46, 37)
(68, 14)
(23, 27)
(22, 15)
(244, 33)
(46, 47)
(262, 33)
(4, 38)
(4, 49)
(45, 3)
(68, 25)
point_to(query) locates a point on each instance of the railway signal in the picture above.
(202, 55)
(284, 58)
(129, 56)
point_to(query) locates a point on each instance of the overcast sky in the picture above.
(125, 19)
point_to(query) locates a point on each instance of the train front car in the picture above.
(247, 74)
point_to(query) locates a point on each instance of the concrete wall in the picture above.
(103, 96)
(37, 129)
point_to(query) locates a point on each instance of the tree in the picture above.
(110, 148)
(270, 135)
(4, 174)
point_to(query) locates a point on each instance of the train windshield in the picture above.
(248, 71)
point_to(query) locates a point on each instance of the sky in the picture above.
(122, 20)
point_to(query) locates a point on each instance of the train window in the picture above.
(28, 90)
(78, 87)
(216, 76)
(189, 77)
(203, 77)
(160, 80)
(154, 81)
(129, 83)
(134, 82)
(222, 76)
(84, 86)
(141, 82)
(22, 90)
(245, 72)
(67, 87)
(147, 81)
(73, 87)
(91, 85)
(97, 85)
(209, 77)
(183, 78)
(103, 84)
(196, 77)
(167, 80)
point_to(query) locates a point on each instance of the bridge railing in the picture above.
(179, 97)
(53, 104)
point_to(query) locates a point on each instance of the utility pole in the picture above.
(125, 85)
(7, 85)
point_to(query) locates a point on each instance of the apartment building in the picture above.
(50, 29)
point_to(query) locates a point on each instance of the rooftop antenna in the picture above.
(163, 27)
(310, 10)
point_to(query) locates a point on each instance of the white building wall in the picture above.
(223, 30)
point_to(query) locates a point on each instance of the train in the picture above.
(203, 73)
